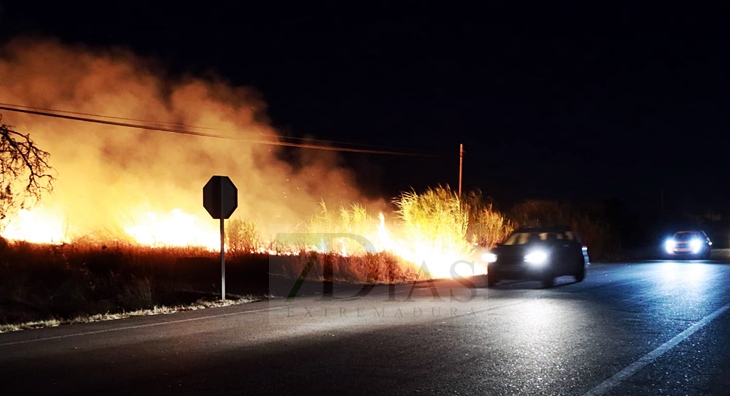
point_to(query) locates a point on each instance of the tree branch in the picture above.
(21, 160)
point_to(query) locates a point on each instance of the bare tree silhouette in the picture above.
(25, 172)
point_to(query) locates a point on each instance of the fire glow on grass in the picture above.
(176, 228)
(438, 261)
(179, 229)
(36, 226)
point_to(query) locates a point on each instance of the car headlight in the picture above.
(536, 257)
(489, 257)
(696, 245)
(669, 245)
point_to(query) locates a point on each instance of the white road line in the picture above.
(622, 375)
(137, 327)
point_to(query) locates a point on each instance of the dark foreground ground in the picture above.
(653, 327)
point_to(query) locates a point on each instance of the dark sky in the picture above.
(570, 102)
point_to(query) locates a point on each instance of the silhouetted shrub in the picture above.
(589, 220)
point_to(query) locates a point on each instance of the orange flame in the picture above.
(36, 226)
(437, 261)
(177, 228)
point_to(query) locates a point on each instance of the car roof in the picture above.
(690, 232)
(545, 229)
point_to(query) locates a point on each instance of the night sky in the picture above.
(559, 102)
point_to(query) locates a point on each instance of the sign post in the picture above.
(220, 199)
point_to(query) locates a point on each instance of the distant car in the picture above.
(689, 244)
(537, 253)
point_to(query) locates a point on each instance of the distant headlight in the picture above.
(696, 245)
(489, 257)
(669, 245)
(536, 257)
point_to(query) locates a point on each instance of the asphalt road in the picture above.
(644, 328)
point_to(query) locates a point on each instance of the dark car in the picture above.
(689, 244)
(540, 253)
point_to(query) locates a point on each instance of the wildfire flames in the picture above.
(146, 186)
(177, 228)
(174, 229)
(37, 226)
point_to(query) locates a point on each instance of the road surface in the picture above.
(643, 328)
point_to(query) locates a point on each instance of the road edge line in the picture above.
(632, 369)
(137, 326)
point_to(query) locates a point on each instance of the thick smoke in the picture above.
(108, 175)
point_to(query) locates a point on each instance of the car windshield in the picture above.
(685, 236)
(519, 238)
(522, 238)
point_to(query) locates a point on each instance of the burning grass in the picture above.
(427, 234)
(369, 268)
(435, 218)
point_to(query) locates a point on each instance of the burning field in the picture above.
(142, 189)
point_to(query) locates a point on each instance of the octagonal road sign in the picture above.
(220, 197)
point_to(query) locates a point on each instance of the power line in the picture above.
(170, 124)
(78, 113)
(183, 131)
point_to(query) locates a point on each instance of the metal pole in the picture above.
(223, 254)
(461, 162)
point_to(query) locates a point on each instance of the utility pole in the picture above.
(461, 165)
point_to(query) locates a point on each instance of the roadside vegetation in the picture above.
(43, 283)
(590, 220)
(487, 225)
(435, 218)
(82, 280)
(156, 310)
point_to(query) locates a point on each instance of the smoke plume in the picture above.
(108, 176)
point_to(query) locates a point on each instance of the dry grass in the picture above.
(59, 282)
(487, 226)
(352, 220)
(439, 218)
(435, 218)
(45, 284)
(89, 278)
(243, 237)
(370, 268)
(161, 310)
